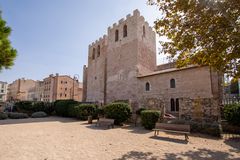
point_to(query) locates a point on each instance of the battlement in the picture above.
(101, 40)
(136, 13)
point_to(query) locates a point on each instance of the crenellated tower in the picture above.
(116, 59)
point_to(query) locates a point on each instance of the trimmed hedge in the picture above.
(65, 108)
(85, 110)
(120, 112)
(149, 118)
(30, 107)
(232, 113)
(15, 115)
(39, 115)
(3, 115)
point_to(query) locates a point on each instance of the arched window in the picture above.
(172, 83)
(98, 50)
(144, 32)
(125, 31)
(116, 35)
(177, 104)
(93, 54)
(147, 86)
(172, 105)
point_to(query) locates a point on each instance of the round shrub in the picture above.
(39, 115)
(3, 115)
(15, 115)
(232, 113)
(85, 110)
(149, 118)
(120, 112)
(138, 111)
(62, 107)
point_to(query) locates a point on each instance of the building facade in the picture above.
(122, 66)
(22, 90)
(50, 89)
(59, 87)
(3, 91)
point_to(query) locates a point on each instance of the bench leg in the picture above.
(186, 137)
(155, 133)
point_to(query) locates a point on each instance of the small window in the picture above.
(125, 31)
(116, 35)
(172, 83)
(60, 94)
(144, 32)
(93, 54)
(65, 89)
(65, 95)
(172, 105)
(98, 50)
(147, 86)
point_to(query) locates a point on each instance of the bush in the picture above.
(120, 112)
(3, 115)
(85, 110)
(232, 113)
(100, 111)
(39, 115)
(30, 107)
(149, 118)
(213, 129)
(65, 108)
(15, 115)
(138, 111)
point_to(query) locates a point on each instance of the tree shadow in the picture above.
(180, 141)
(234, 143)
(200, 154)
(136, 155)
(136, 130)
(37, 120)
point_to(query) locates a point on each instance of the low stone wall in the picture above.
(201, 109)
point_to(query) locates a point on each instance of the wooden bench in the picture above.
(105, 122)
(175, 128)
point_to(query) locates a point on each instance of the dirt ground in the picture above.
(56, 138)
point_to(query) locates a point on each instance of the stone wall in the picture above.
(200, 109)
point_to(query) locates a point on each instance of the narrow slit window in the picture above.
(125, 31)
(116, 35)
(93, 54)
(144, 31)
(98, 51)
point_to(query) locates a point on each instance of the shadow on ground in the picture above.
(135, 155)
(201, 154)
(37, 120)
(136, 130)
(234, 143)
(174, 140)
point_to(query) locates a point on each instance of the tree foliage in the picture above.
(202, 32)
(7, 52)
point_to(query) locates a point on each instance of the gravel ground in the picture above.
(55, 138)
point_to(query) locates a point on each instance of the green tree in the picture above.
(201, 32)
(7, 52)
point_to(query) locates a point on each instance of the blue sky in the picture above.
(52, 36)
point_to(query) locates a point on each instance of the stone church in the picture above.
(122, 67)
